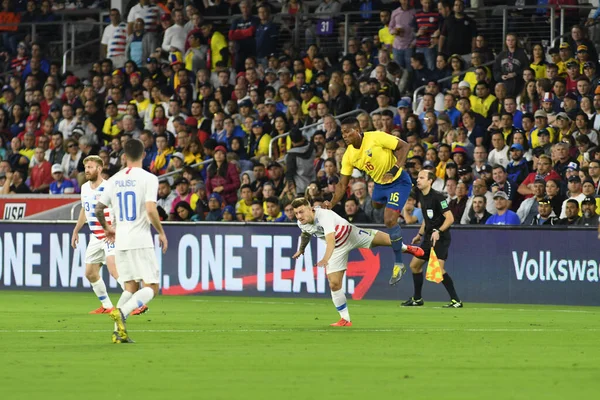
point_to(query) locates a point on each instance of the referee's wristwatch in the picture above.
(437, 230)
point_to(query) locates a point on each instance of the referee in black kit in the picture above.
(435, 229)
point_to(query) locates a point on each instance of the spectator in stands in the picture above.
(588, 210)
(71, 159)
(60, 185)
(215, 213)
(458, 204)
(546, 215)
(529, 207)
(574, 192)
(458, 32)
(182, 212)
(114, 39)
(401, 27)
(544, 171)
(478, 215)
(267, 34)
(258, 212)
(411, 213)
(499, 154)
(242, 33)
(503, 216)
(40, 174)
(140, 44)
(222, 177)
(166, 196)
(354, 214)
(571, 213)
(564, 160)
(509, 65)
(274, 213)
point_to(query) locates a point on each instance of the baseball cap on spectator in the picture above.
(284, 58)
(572, 64)
(134, 74)
(72, 80)
(110, 102)
(269, 102)
(245, 103)
(382, 92)
(540, 114)
(403, 103)
(221, 148)
(464, 170)
(573, 166)
(312, 106)
(57, 168)
(151, 60)
(450, 164)
(270, 71)
(574, 178)
(459, 150)
(428, 164)
(159, 121)
(589, 200)
(179, 155)
(543, 132)
(544, 200)
(485, 169)
(500, 195)
(273, 55)
(182, 180)
(257, 124)
(517, 146)
(191, 121)
(563, 115)
(78, 131)
(54, 107)
(206, 85)
(553, 50)
(117, 72)
(548, 97)
(216, 196)
(200, 186)
(273, 164)
(305, 88)
(582, 48)
(589, 64)
(464, 84)
(7, 88)
(31, 118)
(333, 180)
(571, 96)
(565, 45)
(321, 73)
(175, 58)
(229, 209)
(283, 70)
(165, 17)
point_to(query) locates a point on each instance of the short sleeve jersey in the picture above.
(326, 222)
(433, 206)
(375, 156)
(127, 192)
(89, 198)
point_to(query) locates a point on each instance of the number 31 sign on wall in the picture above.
(325, 27)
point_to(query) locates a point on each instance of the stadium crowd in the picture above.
(512, 136)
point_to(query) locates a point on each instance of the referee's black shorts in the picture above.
(441, 246)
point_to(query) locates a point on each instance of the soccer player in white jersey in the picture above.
(132, 193)
(341, 238)
(98, 251)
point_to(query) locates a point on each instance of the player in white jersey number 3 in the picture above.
(132, 193)
(341, 238)
(98, 251)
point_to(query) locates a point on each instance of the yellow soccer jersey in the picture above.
(246, 210)
(375, 156)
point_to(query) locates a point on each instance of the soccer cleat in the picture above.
(101, 310)
(117, 339)
(412, 302)
(397, 273)
(140, 310)
(415, 251)
(342, 322)
(454, 304)
(117, 316)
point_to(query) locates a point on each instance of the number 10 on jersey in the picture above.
(127, 206)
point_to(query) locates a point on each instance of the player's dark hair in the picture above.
(134, 150)
(350, 121)
(299, 202)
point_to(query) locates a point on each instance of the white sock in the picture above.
(125, 297)
(339, 301)
(139, 298)
(404, 247)
(121, 283)
(100, 289)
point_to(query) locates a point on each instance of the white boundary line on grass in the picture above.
(516, 330)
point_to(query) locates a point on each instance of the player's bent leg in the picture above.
(92, 273)
(339, 298)
(416, 266)
(111, 265)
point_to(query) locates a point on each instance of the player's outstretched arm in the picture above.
(340, 190)
(304, 241)
(80, 222)
(155, 221)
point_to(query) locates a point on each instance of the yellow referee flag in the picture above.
(434, 270)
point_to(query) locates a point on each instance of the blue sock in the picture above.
(396, 238)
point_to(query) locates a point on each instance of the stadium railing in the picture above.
(304, 128)
(168, 175)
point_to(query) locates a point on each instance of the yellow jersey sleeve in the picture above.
(263, 145)
(347, 165)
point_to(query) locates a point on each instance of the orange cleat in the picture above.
(101, 310)
(415, 251)
(342, 322)
(140, 310)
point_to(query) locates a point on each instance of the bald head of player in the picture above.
(351, 132)
(134, 152)
(303, 211)
(425, 180)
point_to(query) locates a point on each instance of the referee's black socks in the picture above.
(449, 285)
(418, 282)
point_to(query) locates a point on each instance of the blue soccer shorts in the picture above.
(393, 194)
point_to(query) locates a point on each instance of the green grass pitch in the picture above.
(259, 348)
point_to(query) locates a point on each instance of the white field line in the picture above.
(516, 330)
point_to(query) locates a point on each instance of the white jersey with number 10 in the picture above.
(127, 193)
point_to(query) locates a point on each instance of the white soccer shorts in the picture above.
(137, 264)
(98, 250)
(359, 239)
